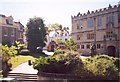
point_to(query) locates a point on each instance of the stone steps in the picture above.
(23, 76)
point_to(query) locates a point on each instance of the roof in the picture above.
(2, 15)
(51, 33)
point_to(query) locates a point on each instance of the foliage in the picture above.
(39, 62)
(71, 59)
(71, 45)
(56, 63)
(58, 41)
(36, 34)
(8, 52)
(5, 55)
(70, 56)
(1, 73)
(59, 51)
(1, 49)
(54, 26)
(80, 70)
(49, 64)
(102, 65)
(19, 46)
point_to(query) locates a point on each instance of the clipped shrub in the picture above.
(101, 66)
(48, 64)
(63, 63)
(39, 62)
(70, 57)
(80, 70)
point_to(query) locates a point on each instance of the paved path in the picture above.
(24, 68)
(48, 53)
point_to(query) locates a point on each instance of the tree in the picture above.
(58, 41)
(5, 55)
(36, 34)
(19, 46)
(70, 45)
(54, 26)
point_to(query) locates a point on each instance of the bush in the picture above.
(63, 63)
(6, 53)
(48, 64)
(80, 70)
(39, 62)
(101, 66)
(70, 57)
(1, 74)
(59, 51)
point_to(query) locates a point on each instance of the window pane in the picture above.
(82, 46)
(88, 46)
(99, 21)
(90, 23)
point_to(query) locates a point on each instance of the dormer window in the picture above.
(55, 35)
(61, 34)
(65, 34)
(9, 21)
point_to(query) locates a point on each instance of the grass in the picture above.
(17, 60)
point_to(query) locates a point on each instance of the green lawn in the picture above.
(17, 60)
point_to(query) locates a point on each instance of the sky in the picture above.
(51, 11)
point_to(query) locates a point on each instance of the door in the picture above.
(52, 48)
(111, 51)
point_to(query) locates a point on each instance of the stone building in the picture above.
(10, 31)
(62, 34)
(100, 27)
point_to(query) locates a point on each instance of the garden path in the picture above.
(24, 68)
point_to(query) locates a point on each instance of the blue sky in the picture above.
(52, 11)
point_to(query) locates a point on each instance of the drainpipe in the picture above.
(94, 36)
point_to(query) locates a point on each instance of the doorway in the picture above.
(111, 51)
(52, 48)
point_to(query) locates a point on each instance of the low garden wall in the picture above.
(55, 76)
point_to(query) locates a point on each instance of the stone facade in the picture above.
(10, 31)
(62, 34)
(100, 27)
